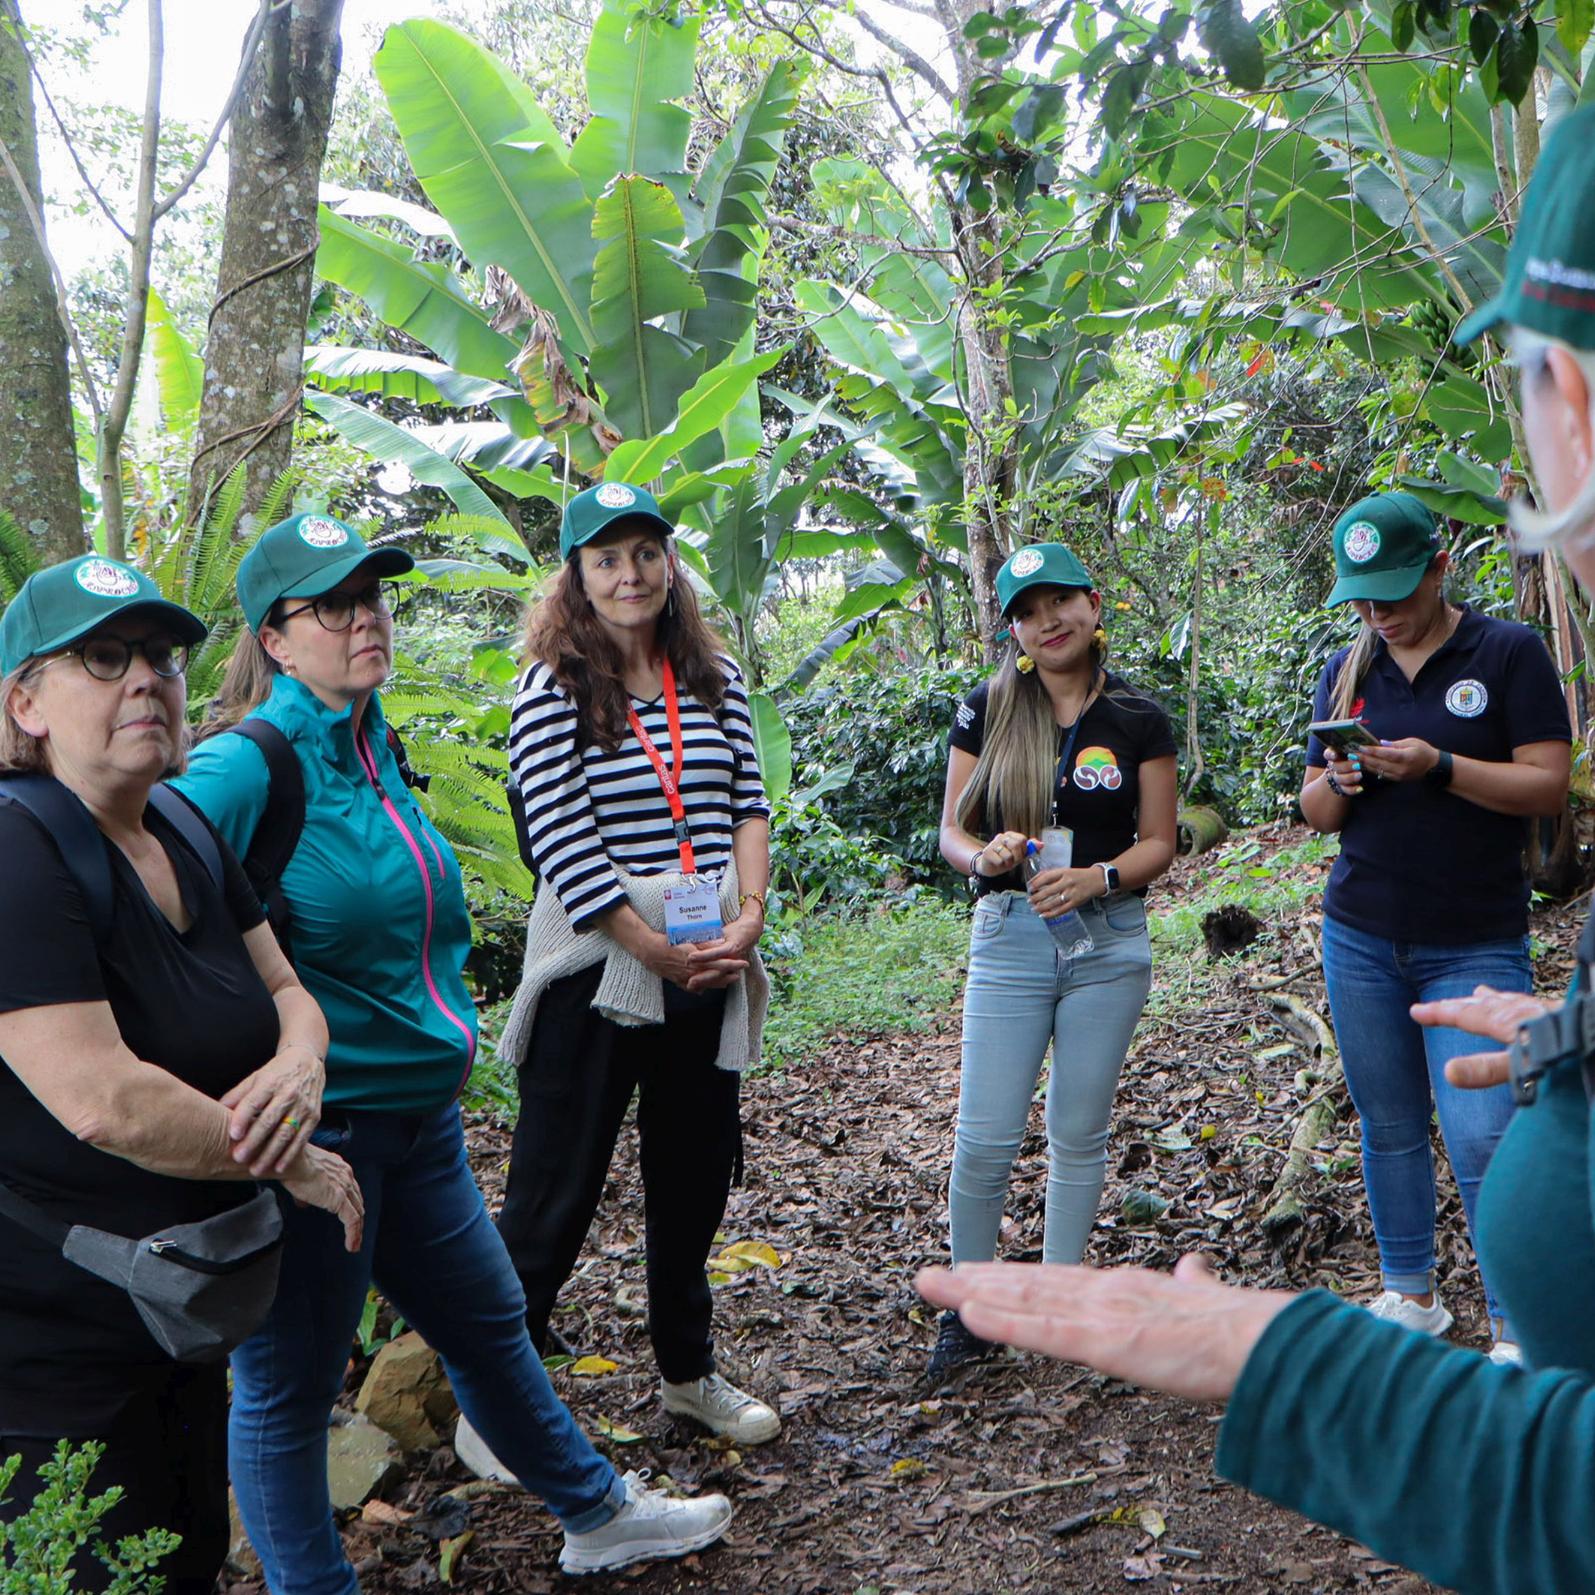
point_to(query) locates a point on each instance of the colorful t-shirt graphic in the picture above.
(1097, 767)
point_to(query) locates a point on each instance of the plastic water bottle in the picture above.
(1068, 930)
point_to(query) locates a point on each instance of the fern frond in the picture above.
(19, 557)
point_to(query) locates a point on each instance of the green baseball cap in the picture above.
(1383, 545)
(1040, 565)
(1550, 269)
(305, 556)
(62, 605)
(596, 509)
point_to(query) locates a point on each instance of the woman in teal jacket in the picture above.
(1480, 1477)
(378, 930)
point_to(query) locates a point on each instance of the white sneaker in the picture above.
(1394, 1308)
(1506, 1354)
(650, 1525)
(719, 1406)
(474, 1455)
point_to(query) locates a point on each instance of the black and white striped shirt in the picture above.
(587, 810)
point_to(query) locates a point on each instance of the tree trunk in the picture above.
(38, 456)
(991, 448)
(254, 350)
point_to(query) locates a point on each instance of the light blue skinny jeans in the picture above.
(1020, 996)
(435, 1254)
(1395, 1070)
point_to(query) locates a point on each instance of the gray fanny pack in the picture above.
(200, 1288)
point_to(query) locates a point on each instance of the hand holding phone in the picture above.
(1344, 736)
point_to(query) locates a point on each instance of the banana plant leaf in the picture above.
(360, 204)
(338, 369)
(381, 439)
(701, 409)
(421, 298)
(638, 63)
(494, 165)
(179, 372)
(773, 744)
(641, 273)
(730, 195)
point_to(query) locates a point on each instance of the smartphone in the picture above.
(1344, 736)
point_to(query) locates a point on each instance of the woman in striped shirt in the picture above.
(632, 748)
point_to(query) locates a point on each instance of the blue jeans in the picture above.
(432, 1250)
(1396, 1072)
(1020, 996)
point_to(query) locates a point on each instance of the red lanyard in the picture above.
(669, 778)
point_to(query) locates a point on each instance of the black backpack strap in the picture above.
(82, 845)
(523, 834)
(417, 783)
(185, 819)
(281, 823)
(21, 1211)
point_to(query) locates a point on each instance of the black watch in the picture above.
(1110, 874)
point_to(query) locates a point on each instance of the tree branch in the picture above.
(251, 43)
(71, 147)
(909, 57)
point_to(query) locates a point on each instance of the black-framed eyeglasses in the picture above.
(336, 610)
(107, 658)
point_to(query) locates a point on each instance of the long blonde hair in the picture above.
(1017, 768)
(247, 684)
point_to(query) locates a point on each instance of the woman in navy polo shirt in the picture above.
(1051, 738)
(1428, 898)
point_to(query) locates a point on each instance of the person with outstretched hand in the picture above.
(1476, 1475)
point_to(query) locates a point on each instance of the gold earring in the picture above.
(1024, 664)
(1100, 637)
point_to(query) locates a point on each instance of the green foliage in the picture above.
(1248, 875)
(38, 1547)
(815, 864)
(865, 974)
(892, 730)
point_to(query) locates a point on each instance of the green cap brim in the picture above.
(1043, 580)
(188, 626)
(1378, 586)
(654, 523)
(1479, 320)
(381, 562)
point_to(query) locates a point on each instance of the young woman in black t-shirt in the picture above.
(1050, 740)
(147, 1066)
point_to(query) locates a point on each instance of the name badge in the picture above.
(692, 911)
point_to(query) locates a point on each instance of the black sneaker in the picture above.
(954, 1347)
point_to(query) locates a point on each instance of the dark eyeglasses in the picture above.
(107, 658)
(336, 610)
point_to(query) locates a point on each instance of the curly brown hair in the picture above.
(563, 632)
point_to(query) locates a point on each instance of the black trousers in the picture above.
(580, 1074)
(168, 1451)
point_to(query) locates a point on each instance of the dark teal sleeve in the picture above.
(228, 782)
(1476, 1476)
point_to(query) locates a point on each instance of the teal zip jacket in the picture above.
(1480, 1478)
(380, 926)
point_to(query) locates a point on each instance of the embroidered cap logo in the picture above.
(322, 533)
(1362, 541)
(105, 580)
(615, 496)
(1027, 562)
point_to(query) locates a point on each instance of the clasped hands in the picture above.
(1053, 892)
(709, 965)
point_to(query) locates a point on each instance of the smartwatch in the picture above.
(1111, 875)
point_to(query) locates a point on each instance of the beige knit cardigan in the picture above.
(628, 993)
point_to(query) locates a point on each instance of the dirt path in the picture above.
(1033, 1476)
